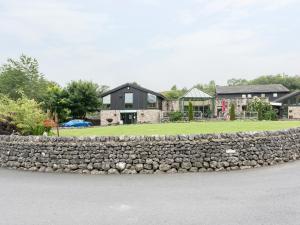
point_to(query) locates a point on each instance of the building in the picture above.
(201, 102)
(129, 104)
(240, 95)
(289, 105)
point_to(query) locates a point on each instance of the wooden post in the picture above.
(57, 123)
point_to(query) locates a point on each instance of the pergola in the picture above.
(193, 95)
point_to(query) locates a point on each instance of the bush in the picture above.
(175, 116)
(26, 115)
(232, 112)
(270, 115)
(6, 126)
(191, 111)
(263, 108)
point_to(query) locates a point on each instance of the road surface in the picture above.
(268, 196)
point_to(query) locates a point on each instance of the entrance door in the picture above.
(128, 118)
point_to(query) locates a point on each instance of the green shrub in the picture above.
(263, 108)
(232, 111)
(26, 114)
(175, 116)
(270, 115)
(191, 111)
(6, 126)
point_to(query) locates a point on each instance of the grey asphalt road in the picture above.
(258, 196)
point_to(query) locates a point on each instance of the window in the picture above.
(128, 100)
(243, 96)
(106, 101)
(151, 100)
(263, 95)
(275, 95)
(249, 96)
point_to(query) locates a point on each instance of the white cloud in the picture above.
(36, 21)
(183, 43)
(186, 17)
(216, 54)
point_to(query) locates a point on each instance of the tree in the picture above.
(291, 82)
(209, 88)
(26, 114)
(55, 102)
(22, 77)
(174, 93)
(82, 97)
(235, 82)
(191, 111)
(232, 111)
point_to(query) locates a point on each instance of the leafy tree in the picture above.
(174, 93)
(82, 97)
(55, 102)
(26, 114)
(209, 88)
(291, 82)
(235, 82)
(191, 111)
(232, 111)
(174, 88)
(22, 76)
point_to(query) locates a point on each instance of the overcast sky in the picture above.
(156, 43)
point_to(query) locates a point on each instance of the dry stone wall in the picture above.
(152, 154)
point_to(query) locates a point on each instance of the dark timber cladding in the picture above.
(140, 97)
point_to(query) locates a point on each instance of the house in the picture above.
(129, 104)
(240, 95)
(289, 105)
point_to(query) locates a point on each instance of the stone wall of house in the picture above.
(294, 112)
(152, 154)
(148, 116)
(109, 114)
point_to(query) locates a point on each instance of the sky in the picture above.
(156, 43)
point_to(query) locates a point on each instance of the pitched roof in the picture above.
(281, 99)
(133, 86)
(243, 89)
(195, 93)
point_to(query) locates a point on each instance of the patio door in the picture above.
(129, 118)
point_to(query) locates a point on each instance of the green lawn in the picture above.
(181, 128)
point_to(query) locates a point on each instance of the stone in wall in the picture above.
(148, 116)
(109, 114)
(150, 154)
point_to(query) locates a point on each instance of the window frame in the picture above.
(128, 105)
(106, 104)
(149, 104)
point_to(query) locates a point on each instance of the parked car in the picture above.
(77, 123)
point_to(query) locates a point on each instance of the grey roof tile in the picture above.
(244, 89)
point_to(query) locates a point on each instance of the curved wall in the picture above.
(152, 154)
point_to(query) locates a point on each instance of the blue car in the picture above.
(77, 123)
